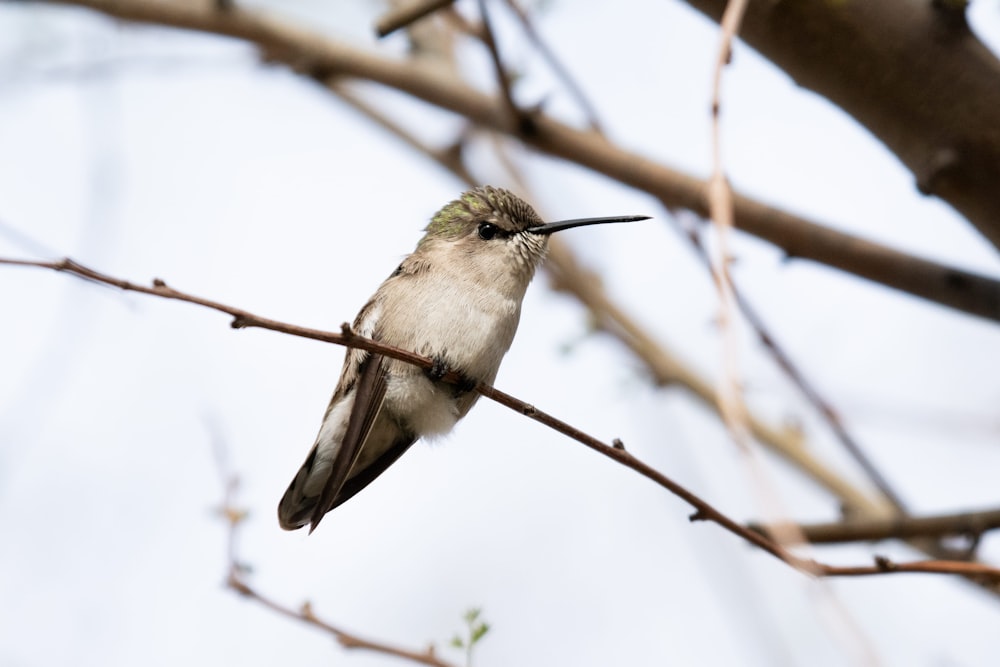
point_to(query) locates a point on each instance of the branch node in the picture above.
(618, 444)
(974, 536)
(700, 515)
(322, 73)
(346, 330)
(527, 125)
(239, 322)
(884, 564)
(937, 166)
(404, 16)
(159, 283)
(237, 585)
(318, 69)
(69, 264)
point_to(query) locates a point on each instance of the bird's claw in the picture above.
(439, 368)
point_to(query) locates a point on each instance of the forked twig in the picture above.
(236, 579)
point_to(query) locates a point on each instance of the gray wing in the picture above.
(296, 507)
(368, 397)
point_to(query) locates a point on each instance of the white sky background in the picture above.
(149, 153)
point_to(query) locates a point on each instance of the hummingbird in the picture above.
(457, 300)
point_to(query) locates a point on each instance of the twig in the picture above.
(799, 237)
(242, 319)
(346, 639)
(979, 572)
(704, 511)
(522, 120)
(561, 71)
(968, 524)
(720, 207)
(236, 580)
(410, 12)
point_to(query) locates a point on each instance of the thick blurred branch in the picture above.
(911, 72)
(322, 58)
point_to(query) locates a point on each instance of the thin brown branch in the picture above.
(798, 237)
(346, 639)
(242, 319)
(406, 14)
(982, 573)
(245, 319)
(234, 517)
(961, 524)
(704, 511)
(236, 580)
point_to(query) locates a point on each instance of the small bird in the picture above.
(455, 299)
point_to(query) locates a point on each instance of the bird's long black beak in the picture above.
(580, 222)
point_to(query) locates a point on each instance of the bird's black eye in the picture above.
(487, 230)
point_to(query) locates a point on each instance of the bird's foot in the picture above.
(440, 368)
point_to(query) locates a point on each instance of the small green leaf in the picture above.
(478, 632)
(457, 642)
